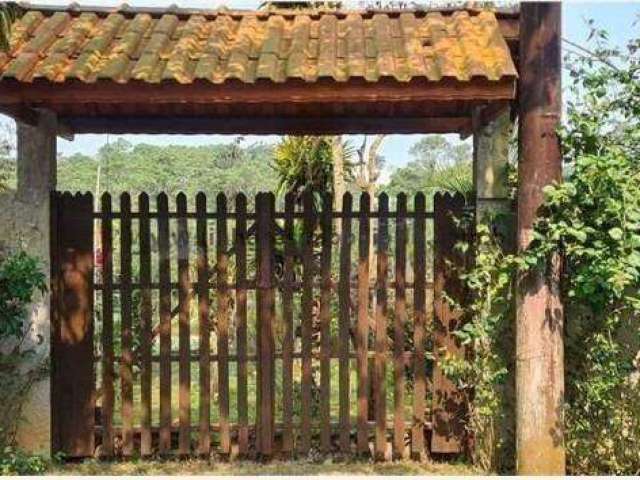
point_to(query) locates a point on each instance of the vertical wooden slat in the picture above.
(107, 326)
(419, 308)
(265, 210)
(448, 402)
(287, 314)
(145, 326)
(326, 223)
(382, 267)
(400, 319)
(241, 321)
(307, 319)
(126, 360)
(165, 323)
(73, 390)
(184, 329)
(363, 323)
(223, 322)
(344, 293)
(204, 331)
(56, 314)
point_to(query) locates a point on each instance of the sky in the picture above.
(616, 17)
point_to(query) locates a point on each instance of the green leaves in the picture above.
(616, 233)
(20, 277)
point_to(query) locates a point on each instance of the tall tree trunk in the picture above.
(373, 175)
(339, 182)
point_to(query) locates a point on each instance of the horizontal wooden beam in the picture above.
(31, 117)
(265, 125)
(47, 94)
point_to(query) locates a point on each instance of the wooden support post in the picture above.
(449, 262)
(72, 375)
(265, 208)
(539, 323)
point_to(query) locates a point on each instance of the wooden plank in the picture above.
(241, 321)
(106, 235)
(400, 319)
(126, 332)
(265, 209)
(362, 344)
(379, 386)
(448, 401)
(73, 391)
(204, 331)
(223, 322)
(164, 271)
(218, 123)
(287, 318)
(419, 89)
(184, 328)
(326, 225)
(419, 309)
(146, 310)
(308, 272)
(344, 327)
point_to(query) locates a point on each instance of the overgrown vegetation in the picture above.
(20, 278)
(593, 220)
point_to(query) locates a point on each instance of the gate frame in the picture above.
(539, 36)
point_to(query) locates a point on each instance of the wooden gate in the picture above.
(255, 328)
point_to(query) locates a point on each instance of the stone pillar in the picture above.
(25, 220)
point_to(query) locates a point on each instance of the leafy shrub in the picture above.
(16, 462)
(20, 278)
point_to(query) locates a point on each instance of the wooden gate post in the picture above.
(265, 212)
(449, 413)
(72, 372)
(539, 317)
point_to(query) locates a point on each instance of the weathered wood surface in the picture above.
(73, 390)
(349, 336)
(165, 323)
(449, 263)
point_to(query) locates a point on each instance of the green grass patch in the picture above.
(297, 467)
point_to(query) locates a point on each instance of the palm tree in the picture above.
(8, 14)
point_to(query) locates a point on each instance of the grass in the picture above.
(297, 467)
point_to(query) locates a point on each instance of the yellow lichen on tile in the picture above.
(135, 45)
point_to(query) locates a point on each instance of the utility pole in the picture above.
(539, 322)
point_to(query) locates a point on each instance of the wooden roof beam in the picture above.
(31, 117)
(46, 94)
(265, 125)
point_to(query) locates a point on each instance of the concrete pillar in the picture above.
(490, 160)
(25, 218)
(491, 152)
(539, 318)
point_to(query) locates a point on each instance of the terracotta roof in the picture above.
(173, 45)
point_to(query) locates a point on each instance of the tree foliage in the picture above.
(124, 167)
(438, 164)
